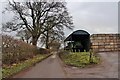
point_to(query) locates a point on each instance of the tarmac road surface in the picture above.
(52, 67)
(48, 68)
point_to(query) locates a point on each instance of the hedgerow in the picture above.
(15, 51)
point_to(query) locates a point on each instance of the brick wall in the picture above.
(105, 42)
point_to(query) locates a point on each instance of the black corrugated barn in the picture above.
(78, 41)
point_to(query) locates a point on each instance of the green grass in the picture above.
(0, 73)
(79, 59)
(8, 71)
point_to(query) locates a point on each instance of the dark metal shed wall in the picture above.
(80, 36)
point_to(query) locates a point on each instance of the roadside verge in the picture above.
(9, 71)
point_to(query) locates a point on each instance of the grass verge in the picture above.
(8, 71)
(0, 73)
(79, 59)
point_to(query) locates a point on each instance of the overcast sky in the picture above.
(94, 17)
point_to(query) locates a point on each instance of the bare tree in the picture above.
(55, 25)
(24, 35)
(51, 36)
(36, 16)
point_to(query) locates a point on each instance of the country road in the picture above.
(49, 68)
(52, 67)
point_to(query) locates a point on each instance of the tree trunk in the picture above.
(27, 41)
(47, 40)
(34, 40)
(47, 47)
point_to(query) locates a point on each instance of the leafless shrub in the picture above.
(14, 51)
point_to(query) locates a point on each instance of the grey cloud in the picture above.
(95, 17)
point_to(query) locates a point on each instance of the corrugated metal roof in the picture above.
(78, 32)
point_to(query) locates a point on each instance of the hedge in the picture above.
(15, 51)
